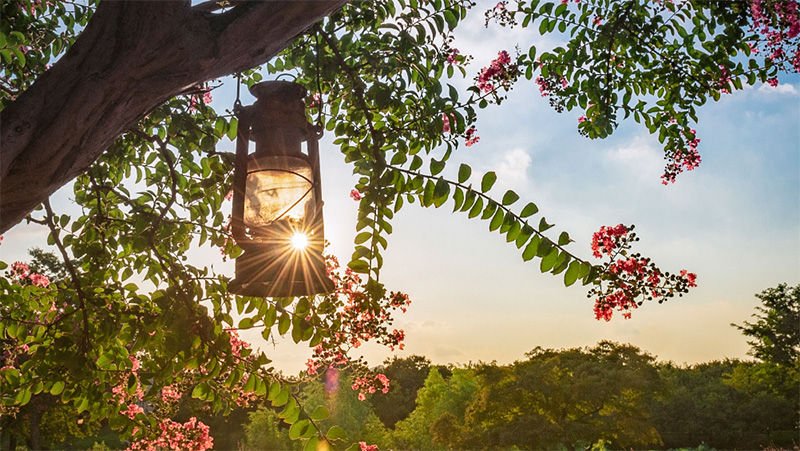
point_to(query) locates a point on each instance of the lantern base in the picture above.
(264, 271)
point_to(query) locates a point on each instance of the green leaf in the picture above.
(476, 208)
(436, 166)
(320, 413)
(571, 276)
(496, 221)
(312, 444)
(544, 247)
(57, 388)
(531, 248)
(250, 385)
(563, 239)
(488, 181)
(362, 237)
(549, 260)
(359, 266)
(297, 429)
(529, 210)
(543, 225)
(104, 360)
(336, 433)
(488, 212)
(201, 391)
(274, 390)
(284, 323)
(464, 172)
(561, 262)
(282, 397)
(510, 197)
(451, 19)
(441, 192)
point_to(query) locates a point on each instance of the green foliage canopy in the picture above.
(133, 314)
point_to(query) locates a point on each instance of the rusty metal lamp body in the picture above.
(277, 196)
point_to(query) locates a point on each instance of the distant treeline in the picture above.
(607, 396)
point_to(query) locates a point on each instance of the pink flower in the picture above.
(451, 58)
(604, 240)
(582, 119)
(365, 447)
(355, 195)
(773, 82)
(445, 123)
(499, 73)
(40, 280)
(470, 136)
(598, 21)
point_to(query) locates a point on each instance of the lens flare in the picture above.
(299, 241)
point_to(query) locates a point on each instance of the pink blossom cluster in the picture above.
(35, 4)
(358, 318)
(445, 123)
(237, 345)
(23, 275)
(724, 80)
(170, 394)
(500, 73)
(364, 447)
(189, 436)
(355, 195)
(364, 385)
(470, 136)
(452, 58)
(778, 31)
(604, 307)
(629, 277)
(543, 86)
(316, 100)
(682, 160)
(196, 99)
(607, 239)
(244, 398)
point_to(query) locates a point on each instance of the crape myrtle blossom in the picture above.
(682, 159)
(21, 273)
(361, 320)
(777, 26)
(626, 278)
(500, 73)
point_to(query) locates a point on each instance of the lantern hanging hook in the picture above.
(237, 104)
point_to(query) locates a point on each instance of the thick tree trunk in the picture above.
(132, 56)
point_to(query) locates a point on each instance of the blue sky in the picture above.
(735, 221)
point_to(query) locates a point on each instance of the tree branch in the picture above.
(132, 56)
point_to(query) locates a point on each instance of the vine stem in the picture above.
(82, 300)
(489, 199)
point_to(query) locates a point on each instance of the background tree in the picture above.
(406, 376)
(571, 398)
(775, 335)
(440, 407)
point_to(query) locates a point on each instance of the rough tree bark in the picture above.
(132, 56)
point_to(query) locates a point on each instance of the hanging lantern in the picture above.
(277, 197)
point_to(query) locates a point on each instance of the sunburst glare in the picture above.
(299, 241)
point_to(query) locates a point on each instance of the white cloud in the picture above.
(638, 159)
(783, 88)
(513, 167)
